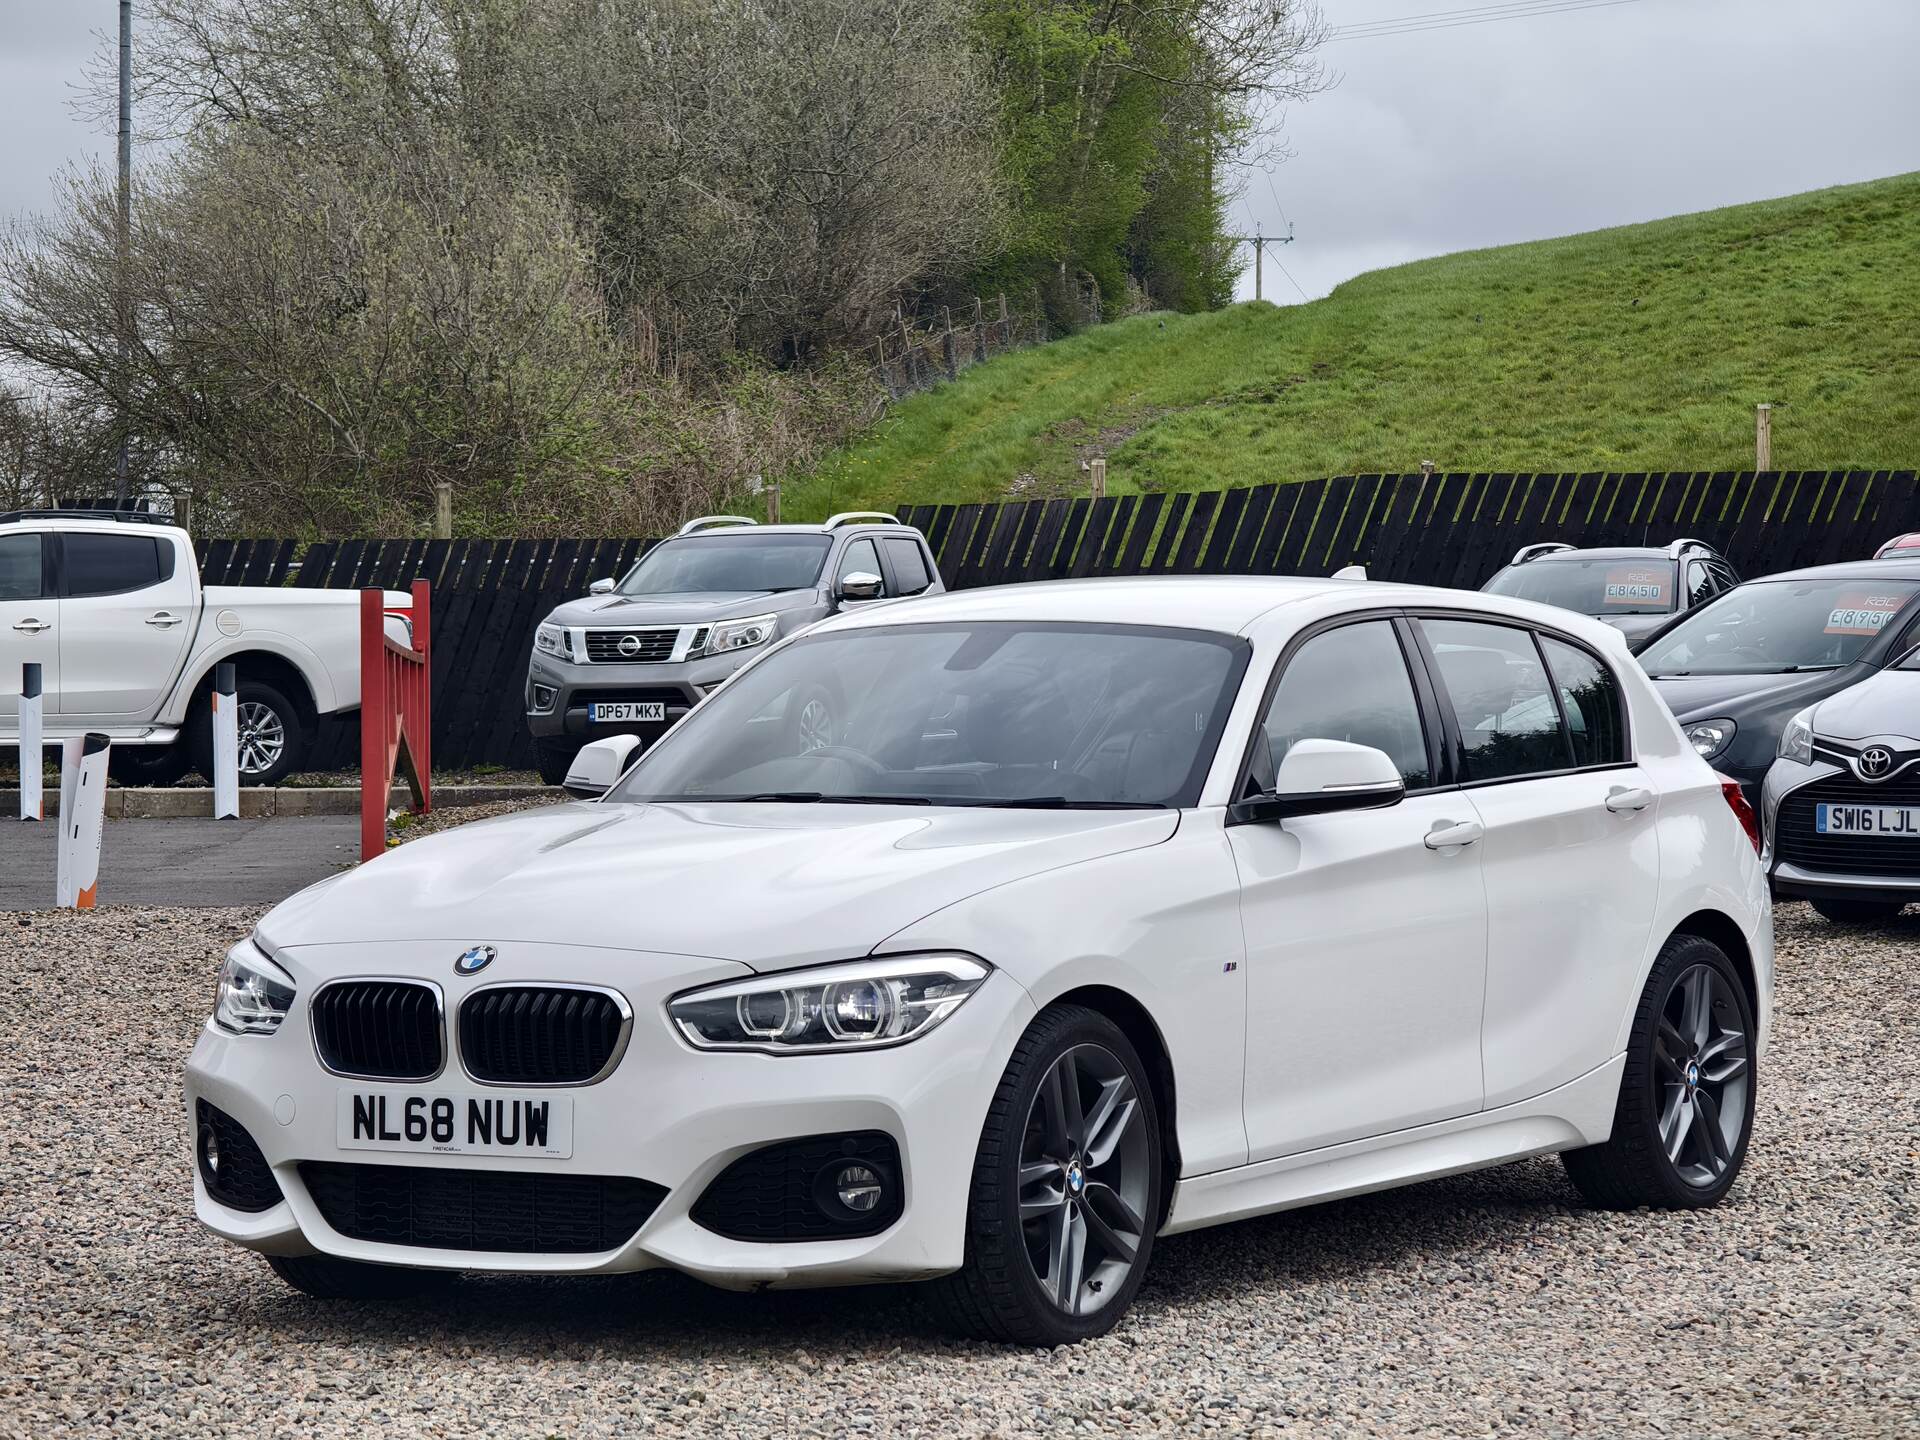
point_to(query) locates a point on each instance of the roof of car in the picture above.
(1603, 552)
(1849, 570)
(1224, 603)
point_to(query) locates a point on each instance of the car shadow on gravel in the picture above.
(662, 1313)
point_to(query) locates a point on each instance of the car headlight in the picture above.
(856, 1006)
(741, 634)
(252, 995)
(1710, 737)
(1796, 742)
(553, 639)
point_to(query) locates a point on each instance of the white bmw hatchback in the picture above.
(1115, 909)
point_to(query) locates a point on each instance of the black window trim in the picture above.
(1424, 696)
(1456, 745)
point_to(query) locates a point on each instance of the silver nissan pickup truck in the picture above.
(640, 652)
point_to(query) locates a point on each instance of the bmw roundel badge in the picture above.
(472, 962)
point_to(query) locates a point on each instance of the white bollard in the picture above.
(83, 816)
(33, 805)
(226, 744)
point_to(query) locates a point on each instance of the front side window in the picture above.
(990, 713)
(1509, 724)
(20, 577)
(1593, 586)
(1347, 684)
(109, 564)
(1776, 627)
(728, 564)
(859, 558)
(1590, 697)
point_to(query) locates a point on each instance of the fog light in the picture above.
(543, 697)
(209, 1144)
(858, 1188)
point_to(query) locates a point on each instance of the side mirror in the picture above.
(861, 585)
(601, 587)
(598, 765)
(1320, 776)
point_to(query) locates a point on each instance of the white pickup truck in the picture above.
(111, 606)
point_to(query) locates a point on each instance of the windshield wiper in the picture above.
(1056, 802)
(809, 797)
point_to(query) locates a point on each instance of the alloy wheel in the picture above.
(1083, 1181)
(1702, 1072)
(816, 725)
(263, 737)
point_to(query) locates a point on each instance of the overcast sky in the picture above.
(1483, 134)
(1433, 141)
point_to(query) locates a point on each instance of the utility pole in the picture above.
(124, 239)
(1260, 240)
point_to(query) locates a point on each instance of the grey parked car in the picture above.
(1634, 588)
(637, 654)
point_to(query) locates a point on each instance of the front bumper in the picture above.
(568, 690)
(667, 1114)
(1795, 879)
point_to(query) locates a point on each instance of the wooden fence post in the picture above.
(1098, 467)
(1763, 437)
(443, 509)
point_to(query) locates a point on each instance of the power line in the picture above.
(1393, 20)
(1290, 280)
(1436, 20)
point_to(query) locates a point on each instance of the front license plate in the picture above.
(535, 1126)
(1899, 821)
(628, 711)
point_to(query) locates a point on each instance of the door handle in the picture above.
(163, 621)
(1452, 834)
(1621, 800)
(30, 626)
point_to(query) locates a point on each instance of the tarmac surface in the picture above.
(183, 862)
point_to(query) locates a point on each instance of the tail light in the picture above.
(1736, 799)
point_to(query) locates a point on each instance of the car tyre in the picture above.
(553, 758)
(1685, 1113)
(1857, 912)
(149, 764)
(1066, 1189)
(326, 1277)
(273, 736)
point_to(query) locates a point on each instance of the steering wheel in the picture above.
(857, 758)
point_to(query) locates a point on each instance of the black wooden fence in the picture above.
(1442, 529)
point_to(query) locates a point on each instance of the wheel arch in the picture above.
(1722, 930)
(270, 668)
(1138, 1025)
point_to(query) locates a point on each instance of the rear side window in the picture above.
(1348, 684)
(1700, 586)
(1590, 697)
(20, 567)
(909, 564)
(110, 564)
(1497, 686)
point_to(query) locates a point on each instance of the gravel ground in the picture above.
(1485, 1304)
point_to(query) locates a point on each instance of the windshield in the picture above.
(713, 563)
(1592, 587)
(1777, 626)
(988, 713)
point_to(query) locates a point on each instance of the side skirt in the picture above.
(1577, 1113)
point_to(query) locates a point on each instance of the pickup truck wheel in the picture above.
(554, 759)
(273, 740)
(149, 764)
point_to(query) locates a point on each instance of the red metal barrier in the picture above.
(396, 713)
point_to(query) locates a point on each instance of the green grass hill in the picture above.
(1639, 348)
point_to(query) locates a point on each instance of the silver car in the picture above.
(1842, 801)
(638, 653)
